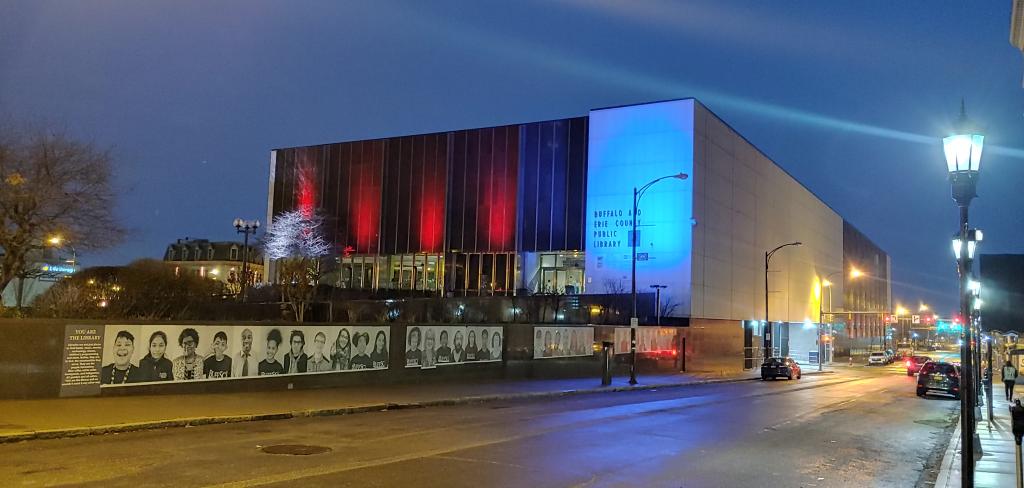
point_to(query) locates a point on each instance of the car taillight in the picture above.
(675, 352)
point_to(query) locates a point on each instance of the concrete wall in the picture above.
(714, 346)
(744, 205)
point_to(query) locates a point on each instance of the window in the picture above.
(184, 254)
(234, 254)
(209, 254)
(199, 254)
(170, 254)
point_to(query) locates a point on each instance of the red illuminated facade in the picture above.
(454, 211)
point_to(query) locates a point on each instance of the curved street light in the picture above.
(638, 193)
(768, 331)
(825, 283)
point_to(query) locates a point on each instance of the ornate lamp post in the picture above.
(767, 323)
(963, 162)
(246, 227)
(634, 322)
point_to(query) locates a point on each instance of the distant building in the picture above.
(1002, 292)
(47, 266)
(221, 261)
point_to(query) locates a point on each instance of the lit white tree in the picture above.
(291, 235)
(296, 242)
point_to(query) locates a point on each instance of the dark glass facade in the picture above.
(553, 177)
(869, 292)
(1002, 290)
(443, 211)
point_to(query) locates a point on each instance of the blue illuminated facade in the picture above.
(630, 147)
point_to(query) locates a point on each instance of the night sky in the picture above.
(851, 98)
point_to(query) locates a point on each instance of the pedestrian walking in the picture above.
(1009, 379)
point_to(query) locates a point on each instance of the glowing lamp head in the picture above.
(963, 158)
(963, 152)
(55, 240)
(856, 273)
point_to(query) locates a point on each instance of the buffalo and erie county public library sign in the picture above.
(629, 147)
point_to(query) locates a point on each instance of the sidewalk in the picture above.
(996, 467)
(70, 417)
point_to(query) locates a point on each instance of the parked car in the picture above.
(891, 355)
(939, 376)
(877, 358)
(914, 364)
(775, 367)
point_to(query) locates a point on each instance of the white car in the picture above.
(879, 358)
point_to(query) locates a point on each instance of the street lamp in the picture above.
(245, 227)
(634, 322)
(963, 162)
(657, 306)
(767, 322)
(57, 241)
(825, 283)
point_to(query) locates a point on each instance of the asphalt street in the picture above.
(861, 427)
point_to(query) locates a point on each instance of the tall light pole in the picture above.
(246, 227)
(963, 162)
(768, 325)
(825, 283)
(975, 288)
(657, 305)
(634, 322)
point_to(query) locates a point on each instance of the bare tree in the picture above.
(52, 185)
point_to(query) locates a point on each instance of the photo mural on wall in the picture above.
(142, 354)
(560, 342)
(429, 346)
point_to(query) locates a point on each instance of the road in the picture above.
(860, 427)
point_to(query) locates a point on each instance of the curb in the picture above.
(942, 480)
(326, 412)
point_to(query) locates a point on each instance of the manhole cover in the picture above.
(295, 449)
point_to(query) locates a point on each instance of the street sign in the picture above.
(915, 319)
(634, 322)
(641, 256)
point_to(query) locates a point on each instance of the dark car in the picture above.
(775, 367)
(939, 376)
(914, 364)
